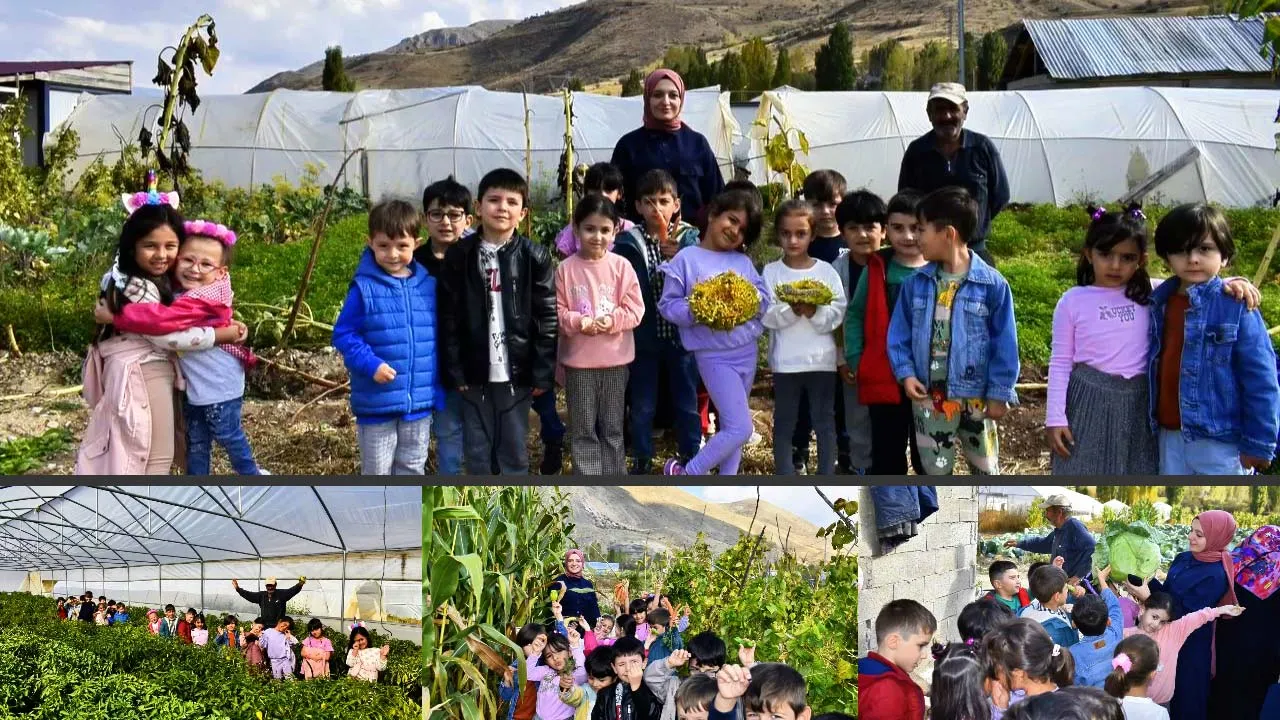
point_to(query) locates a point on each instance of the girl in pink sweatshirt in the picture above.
(552, 673)
(598, 305)
(1169, 637)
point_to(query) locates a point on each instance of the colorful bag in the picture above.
(1257, 562)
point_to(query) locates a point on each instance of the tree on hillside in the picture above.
(575, 85)
(1273, 498)
(1173, 494)
(992, 53)
(691, 63)
(893, 63)
(934, 63)
(1257, 498)
(757, 63)
(804, 80)
(334, 76)
(782, 71)
(1106, 492)
(732, 75)
(633, 85)
(971, 60)
(833, 63)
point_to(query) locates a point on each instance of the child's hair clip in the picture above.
(152, 196)
(356, 624)
(206, 228)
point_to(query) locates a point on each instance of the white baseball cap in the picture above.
(949, 91)
(1058, 500)
(270, 581)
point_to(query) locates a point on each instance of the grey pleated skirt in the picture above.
(1109, 419)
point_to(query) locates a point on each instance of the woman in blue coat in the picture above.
(1196, 580)
(580, 597)
(665, 142)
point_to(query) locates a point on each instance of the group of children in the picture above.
(629, 667)
(272, 650)
(914, 353)
(1017, 645)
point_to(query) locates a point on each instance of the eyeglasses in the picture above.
(204, 267)
(440, 215)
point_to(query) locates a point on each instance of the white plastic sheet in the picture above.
(1058, 146)
(360, 547)
(410, 138)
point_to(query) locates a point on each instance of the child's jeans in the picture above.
(1201, 456)
(495, 418)
(551, 427)
(447, 423)
(682, 374)
(218, 422)
(394, 447)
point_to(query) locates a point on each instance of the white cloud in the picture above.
(430, 21)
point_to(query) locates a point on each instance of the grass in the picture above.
(998, 522)
(1036, 247)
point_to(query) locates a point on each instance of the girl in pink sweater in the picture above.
(1098, 415)
(1169, 636)
(598, 304)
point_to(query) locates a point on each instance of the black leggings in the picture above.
(892, 431)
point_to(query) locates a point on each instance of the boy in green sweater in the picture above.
(866, 332)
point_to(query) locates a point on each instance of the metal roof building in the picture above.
(1203, 51)
(52, 88)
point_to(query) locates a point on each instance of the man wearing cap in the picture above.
(1070, 539)
(951, 155)
(270, 602)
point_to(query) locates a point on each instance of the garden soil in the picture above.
(295, 431)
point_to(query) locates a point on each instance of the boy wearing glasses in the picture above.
(214, 376)
(445, 204)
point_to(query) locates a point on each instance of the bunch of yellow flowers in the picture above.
(807, 292)
(725, 301)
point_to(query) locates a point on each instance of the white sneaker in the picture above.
(262, 471)
(755, 439)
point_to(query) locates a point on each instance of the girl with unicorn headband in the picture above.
(152, 342)
(363, 660)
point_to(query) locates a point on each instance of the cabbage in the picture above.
(1130, 549)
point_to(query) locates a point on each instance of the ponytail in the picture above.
(1136, 659)
(1062, 667)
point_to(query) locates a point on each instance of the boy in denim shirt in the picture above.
(1100, 621)
(952, 342)
(1211, 367)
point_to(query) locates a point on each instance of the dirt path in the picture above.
(293, 435)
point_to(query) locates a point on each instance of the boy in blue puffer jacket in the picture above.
(386, 333)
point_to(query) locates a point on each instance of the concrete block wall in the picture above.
(937, 568)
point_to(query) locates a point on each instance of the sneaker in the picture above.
(263, 471)
(755, 439)
(859, 471)
(552, 459)
(673, 467)
(801, 469)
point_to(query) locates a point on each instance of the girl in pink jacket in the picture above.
(129, 380)
(1169, 636)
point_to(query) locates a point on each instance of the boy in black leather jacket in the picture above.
(498, 326)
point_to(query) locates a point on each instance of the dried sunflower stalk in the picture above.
(808, 292)
(725, 301)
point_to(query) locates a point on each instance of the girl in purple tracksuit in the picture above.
(726, 359)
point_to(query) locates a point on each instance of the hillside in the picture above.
(600, 40)
(658, 518)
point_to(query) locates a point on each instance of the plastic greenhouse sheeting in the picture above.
(360, 547)
(1058, 146)
(410, 137)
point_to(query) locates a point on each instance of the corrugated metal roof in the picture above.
(27, 67)
(1073, 49)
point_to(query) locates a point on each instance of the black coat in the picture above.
(86, 611)
(638, 705)
(528, 309)
(270, 609)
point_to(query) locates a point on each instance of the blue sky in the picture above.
(257, 37)
(799, 499)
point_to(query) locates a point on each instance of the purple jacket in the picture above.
(690, 267)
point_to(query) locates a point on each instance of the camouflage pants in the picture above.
(942, 424)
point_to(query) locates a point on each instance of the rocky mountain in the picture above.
(636, 519)
(600, 41)
(444, 38)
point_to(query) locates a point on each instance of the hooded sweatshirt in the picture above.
(886, 691)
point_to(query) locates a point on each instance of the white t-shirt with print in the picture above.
(497, 323)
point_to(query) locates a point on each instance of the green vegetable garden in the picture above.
(70, 670)
(491, 553)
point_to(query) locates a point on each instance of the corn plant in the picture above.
(489, 554)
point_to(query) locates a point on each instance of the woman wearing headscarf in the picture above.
(580, 598)
(665, 142)
(1249, 647)
(1199, 578)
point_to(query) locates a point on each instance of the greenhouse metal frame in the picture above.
(135, 541)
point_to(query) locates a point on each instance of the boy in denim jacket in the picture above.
(952, 342)
(1211, 367)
